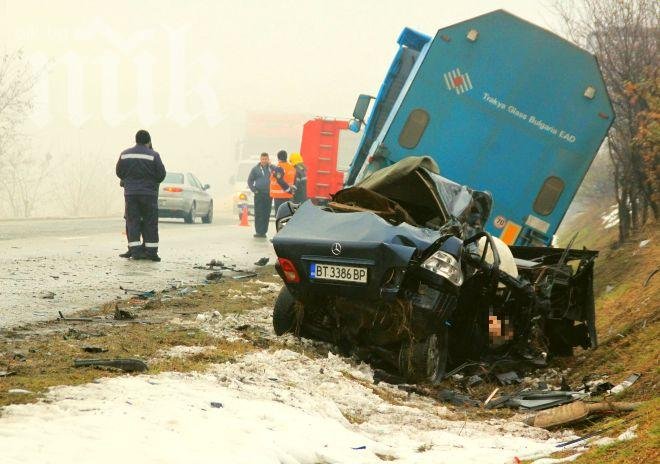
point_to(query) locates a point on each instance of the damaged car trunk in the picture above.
(399, 272)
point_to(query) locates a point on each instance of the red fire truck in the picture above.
(326, 147)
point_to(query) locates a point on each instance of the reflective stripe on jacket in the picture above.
(281, 181)
(141, 170)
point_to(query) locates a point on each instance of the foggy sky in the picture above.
(189, 72)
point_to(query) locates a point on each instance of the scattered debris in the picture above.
(262, 261)
(125, 364)
(213, 276)
(643, 243)
(648, 279)
(47, 295)
(575, 412)
(216, 404)
(18, 391)
(6, 373)
(535, 400)
(490, 397)
(245, 276)
(455, 398)
(144, 295)
(508, 378)
(473, 380)
(94, 349)
(631, 379)
(123, 314)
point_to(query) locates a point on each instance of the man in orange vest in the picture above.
(282, 180)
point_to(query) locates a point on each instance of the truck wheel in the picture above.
(208, 219)
(190, 217)
(284, 313)
(426, 360)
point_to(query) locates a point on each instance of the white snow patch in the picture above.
(610, 218)
(643, 243)
(279, 407)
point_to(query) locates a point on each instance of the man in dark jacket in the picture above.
(259, 183)
(141, 171)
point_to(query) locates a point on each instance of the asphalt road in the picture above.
(76, 259)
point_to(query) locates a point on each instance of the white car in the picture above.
(182, 195)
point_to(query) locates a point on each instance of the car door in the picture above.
(201, 197)
(205, 195)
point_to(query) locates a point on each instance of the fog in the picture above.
(195, 73)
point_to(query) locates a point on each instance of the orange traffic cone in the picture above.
(244, 217)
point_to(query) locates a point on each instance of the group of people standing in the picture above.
(275, 185)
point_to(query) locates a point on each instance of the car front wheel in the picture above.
(425, 360)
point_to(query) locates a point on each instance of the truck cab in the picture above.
(501, 105)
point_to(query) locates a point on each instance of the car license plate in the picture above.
(340, 273)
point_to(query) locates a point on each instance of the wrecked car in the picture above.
(399, 272)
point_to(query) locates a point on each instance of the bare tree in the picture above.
(16, 83)
(18, 169)
(623, 34)
(23, 181)
(83, 186)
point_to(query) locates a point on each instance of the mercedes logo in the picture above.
(336, 249)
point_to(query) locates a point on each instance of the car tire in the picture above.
(425, 360)
(284, 312)
(190, 217)
(208, 219)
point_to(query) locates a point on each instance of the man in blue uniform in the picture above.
(259, 183)
(141, 171)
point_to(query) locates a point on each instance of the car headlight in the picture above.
(242, 197)
(445, 265)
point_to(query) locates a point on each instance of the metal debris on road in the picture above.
(631, 379)
(214, 276)
(262, 262)
(142, 294)
(47, 295)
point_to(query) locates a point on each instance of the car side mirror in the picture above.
(206, 187)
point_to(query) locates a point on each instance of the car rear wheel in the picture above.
(190, 217)
(284, 312)
(426, 360)
(208, 219)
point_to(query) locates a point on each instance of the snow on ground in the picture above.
(610, 218)
(281, 407)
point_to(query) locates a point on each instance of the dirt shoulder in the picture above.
(36, 356)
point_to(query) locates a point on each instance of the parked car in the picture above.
(182, 195)
(399, 272)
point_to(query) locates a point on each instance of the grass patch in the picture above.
(41, 355)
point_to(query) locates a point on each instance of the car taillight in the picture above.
(173, 189)
(289, 270)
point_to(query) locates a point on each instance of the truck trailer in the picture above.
(501, 105)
